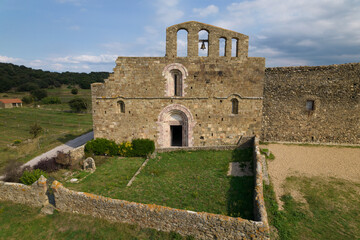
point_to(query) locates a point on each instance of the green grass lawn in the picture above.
(58, 127)
(328, 208)
(22, 222)
(194, 181)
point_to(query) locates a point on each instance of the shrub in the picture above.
(78, 104)
(13, 171)
(102, 146)
(74, 91)
(39, 94)
(29, 177)
(27, 99)
(126, 149)
(143, 147)
(35, 130)
(17, 141)
(48, 165)
(51, 100)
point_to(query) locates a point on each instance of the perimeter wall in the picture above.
(335, 92)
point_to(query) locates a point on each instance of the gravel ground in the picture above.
(312, 161)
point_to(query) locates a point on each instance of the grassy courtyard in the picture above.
(22, 222)
(58, 127)
(194, 181)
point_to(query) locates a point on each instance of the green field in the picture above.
(194, 181)
(323, 208)
(63, 93)
(58, 127)
(22, 222)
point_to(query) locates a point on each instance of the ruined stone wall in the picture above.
(33, 195)
(209, 84)
(335, 90)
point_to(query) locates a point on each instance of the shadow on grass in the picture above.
(241, 192)
(240, 197)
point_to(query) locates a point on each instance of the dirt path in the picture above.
(312, 161)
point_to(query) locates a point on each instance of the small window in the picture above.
(235, 106)
(121, 106)
(177, 83)
(310, 105)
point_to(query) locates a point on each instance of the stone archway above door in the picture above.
(172, 115)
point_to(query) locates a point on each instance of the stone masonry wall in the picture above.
(34, 195)
(208, 90)
(335, 90)
(199, 224)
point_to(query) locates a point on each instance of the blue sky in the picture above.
(88, 35)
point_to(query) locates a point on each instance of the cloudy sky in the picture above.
(88, 35)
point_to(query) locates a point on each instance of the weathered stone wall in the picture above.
(335, 90)
(140, 100)
(208, 90)
(34, 195)
(259, 202)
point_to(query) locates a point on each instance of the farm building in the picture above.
(10, 103)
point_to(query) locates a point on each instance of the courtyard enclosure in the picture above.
(202, 225)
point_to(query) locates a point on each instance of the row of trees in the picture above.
(24, 79)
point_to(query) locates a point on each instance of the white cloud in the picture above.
(103, 58)
(168, 11)
(204, 12)
(6, 59)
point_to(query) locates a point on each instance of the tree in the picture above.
(27, 99)
(78, 104)
(35, 130)
(74, 91)
(39, 94)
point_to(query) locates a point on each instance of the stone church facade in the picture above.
(189, 101)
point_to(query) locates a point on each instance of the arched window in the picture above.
(235, 106)
(121, 106)
(182, 40)
(234, 47)
(177, 80)
(203, 43)
(222, 47)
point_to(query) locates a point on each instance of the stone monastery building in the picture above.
(215, 100)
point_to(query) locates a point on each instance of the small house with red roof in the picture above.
(10, 103)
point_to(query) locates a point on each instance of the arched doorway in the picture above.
(175, 124)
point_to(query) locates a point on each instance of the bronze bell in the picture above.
(203, 47)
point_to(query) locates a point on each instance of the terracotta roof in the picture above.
(14, 100)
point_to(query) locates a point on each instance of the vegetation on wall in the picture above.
(26, 79)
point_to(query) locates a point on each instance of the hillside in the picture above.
(22, 78)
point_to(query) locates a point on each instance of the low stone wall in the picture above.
(198, 224)
(77, 154)
(259, 203)
(34, 195)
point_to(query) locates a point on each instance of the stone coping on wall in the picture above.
(260, 213)
(309, 68)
